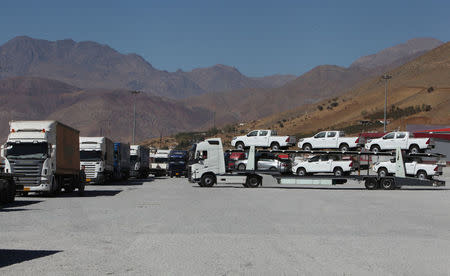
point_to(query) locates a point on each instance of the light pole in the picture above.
(386, 77)
(134, 93)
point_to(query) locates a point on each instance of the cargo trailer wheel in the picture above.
(208, 180)
(253, 181)
(338, 171)
(388, 183)
(371, 184)
(422, 175)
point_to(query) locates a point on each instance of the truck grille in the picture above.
(90, 170)
(28, 173)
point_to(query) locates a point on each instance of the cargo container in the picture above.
(44, 155)
(121, 161)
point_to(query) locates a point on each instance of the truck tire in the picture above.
(414, 149)
(371, 183)
(274, 146)
(240, 146)
(422, 175)
(338, 171)
(388, 183)
(253, 181)
(208, 180)
(81, 188)
(382, 172)
(307, 147)
(343, 147)
(375, 148)
(301, 171)
(242, 167)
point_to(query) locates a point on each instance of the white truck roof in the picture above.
(90, 140)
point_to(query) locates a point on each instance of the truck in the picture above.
(264, 138)
(7, 185)
(45, 157)
(323, 163)
(159, 162)
(332, 139)
(178, 160)
(97, 159)
(139, 159)
(399, 139)
(413, 167)
(121, 161)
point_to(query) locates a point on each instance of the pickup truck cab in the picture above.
(413, 167)
(323, 164)
(399, 139)
(263, 138)
(332, 139)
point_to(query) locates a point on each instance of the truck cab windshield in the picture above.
(133, 158)
(90, 155)
(27, 150)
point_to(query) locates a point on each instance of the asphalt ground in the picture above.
(169, 226)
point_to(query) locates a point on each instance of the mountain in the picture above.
(89, 64)
(94, 111)
(319, 83)
(411, 48)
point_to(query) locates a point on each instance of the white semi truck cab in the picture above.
(208, 167)
(44, 155)
(139, 158)
(97, 158)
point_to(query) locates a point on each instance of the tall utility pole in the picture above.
(134, 93)
(386, 77)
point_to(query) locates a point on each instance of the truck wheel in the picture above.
(301, 171)
(208, 180)
(422, 175)
(307, 147)
(388, 183)
(241, 167)
(371, 184)
(81, 188)
(275, 146)
(414, 149)
(240, 146)
(375, 148)
(343, 147)
(338, 171)
(253, 181)
(382, 172)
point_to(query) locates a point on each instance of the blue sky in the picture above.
(257, 37)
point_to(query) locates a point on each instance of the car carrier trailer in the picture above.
(208, 169)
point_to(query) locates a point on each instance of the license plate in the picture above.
(26, 188)
(177, 173)
(88, 180)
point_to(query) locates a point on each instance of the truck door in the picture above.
(388, 141)
(331, 139)
(410, 167)
(263, 138)
(319, 140)
(325, 164)
(252, 138)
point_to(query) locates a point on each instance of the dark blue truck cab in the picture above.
(178, 161)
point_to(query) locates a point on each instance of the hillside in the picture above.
(319, 83)
(89, 64)
(93, 111)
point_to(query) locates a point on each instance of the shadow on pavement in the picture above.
(238, 186)
(87, 193)
(14, 256)
(10, 207)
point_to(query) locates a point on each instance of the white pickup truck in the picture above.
(412, 168)
(323, 164)
(329, 140)
(403, 140)
(263, 138)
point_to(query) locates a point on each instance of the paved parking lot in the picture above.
(171, 227)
